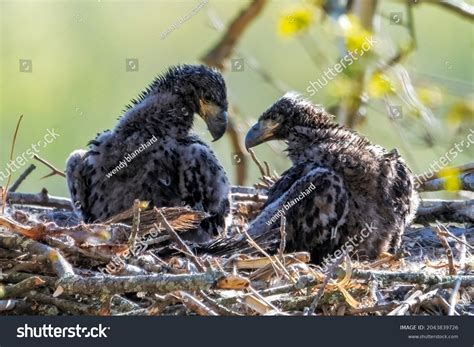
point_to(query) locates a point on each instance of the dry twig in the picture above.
(54, 171)
(4, 200)
(21, 178)
(457, 282)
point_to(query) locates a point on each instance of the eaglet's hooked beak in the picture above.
(215, 118)
(260, 133)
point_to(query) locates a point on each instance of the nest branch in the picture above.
(155, 283)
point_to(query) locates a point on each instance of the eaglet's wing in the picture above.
(204, 184)
(314, 203)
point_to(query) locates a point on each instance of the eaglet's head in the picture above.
(278, 121)
(203, 91)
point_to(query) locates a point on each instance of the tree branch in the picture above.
(218, 56)
(60, 265)
(411, 277)
(221, 52)
(22, 177)
(462, 8)
(15, 290)
(42, 199)
(164, 283)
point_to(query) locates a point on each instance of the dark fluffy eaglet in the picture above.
(343, 194)
(152, 154)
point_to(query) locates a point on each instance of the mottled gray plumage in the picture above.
(176, 169)
(357, 187)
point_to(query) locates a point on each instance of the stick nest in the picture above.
(141, 262)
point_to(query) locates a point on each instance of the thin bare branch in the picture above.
(54, 171)
(11, 158)
(21, 178)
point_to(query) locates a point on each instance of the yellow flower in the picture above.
(354, 33)
(342, 87)
(294, 21)
(452, 181)
(430, 96)
(460, 112)
(379, 85)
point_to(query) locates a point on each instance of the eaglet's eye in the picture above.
(207, 97)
